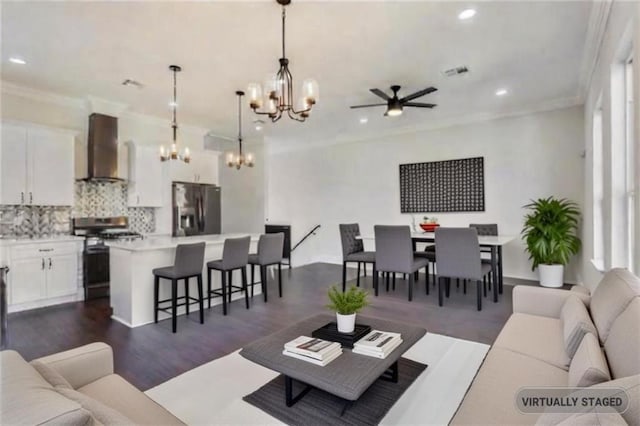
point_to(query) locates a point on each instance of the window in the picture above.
(598, 194)
(630, 166)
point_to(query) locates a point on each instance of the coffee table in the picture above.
(348, 376)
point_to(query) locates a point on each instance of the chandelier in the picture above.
(173, 153)
(278, 89)
(239, 159)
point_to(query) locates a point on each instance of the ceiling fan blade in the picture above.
(380, 93)
(418, 105)
(418, 94)
(367, 106)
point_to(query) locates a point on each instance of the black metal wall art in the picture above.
(442, 186)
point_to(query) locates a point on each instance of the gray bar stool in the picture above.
(235, 255)
(187, 264)
(269, 253)
(394, 253)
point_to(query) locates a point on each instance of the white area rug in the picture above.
(212, 393)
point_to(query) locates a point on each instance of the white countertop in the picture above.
(56, 239)
(161, 242)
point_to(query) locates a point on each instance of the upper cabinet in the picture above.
(203, 168)
(36, 166)
(145, 176)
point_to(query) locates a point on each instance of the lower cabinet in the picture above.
(39, 272)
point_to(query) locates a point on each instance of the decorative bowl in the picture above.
(429, 227)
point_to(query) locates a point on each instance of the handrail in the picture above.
(313, 231)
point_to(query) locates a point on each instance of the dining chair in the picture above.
(235, 255)
(353, 251)
(187, 264)
(394, 253)
(490, 229)
(458, 256)
(269, 254)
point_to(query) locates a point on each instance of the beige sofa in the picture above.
(75, 387)
(531, 350)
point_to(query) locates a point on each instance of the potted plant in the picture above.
(549, 232)
(346, 305)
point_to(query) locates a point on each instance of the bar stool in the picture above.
(235, 255)
(187, 264)
(269, 253)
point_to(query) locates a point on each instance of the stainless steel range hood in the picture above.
(102, 148)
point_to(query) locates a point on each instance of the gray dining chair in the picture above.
(458, 256)
(353, 251)
(187, 264)
(394, 253)
(235, 255)
(490, 229)
(269, 253)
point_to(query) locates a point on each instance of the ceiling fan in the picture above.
(395, 105)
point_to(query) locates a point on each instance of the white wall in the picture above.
(526, 157)
(619, 36)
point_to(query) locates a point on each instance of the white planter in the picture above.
(551, 275)
(346, 323)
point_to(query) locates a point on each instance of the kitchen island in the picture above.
(131, 279)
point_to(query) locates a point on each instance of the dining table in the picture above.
(493, 242)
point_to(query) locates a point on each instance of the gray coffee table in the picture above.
(348, 376)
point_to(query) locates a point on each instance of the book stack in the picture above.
(316, 351)
(377, 344)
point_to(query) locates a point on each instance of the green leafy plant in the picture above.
(550, 230)
(349, 302)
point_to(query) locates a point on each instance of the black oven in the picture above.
(96, 271)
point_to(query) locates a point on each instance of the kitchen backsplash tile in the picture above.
(92, 199)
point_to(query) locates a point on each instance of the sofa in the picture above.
(560, 338)
(75, 387)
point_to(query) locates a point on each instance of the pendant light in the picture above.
(278, 89)
(173, 153)
(239, 159)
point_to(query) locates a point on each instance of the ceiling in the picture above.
(532, 48)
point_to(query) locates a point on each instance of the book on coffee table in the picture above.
(312, 347)
(326, 360)
(378, 344)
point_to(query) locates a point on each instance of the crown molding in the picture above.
(41, 95)
(276, 146)
(596, 29)
(103, 106)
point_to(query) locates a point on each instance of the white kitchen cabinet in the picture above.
(13, 164)
(145, 177)
(36, 166)
(42, 271)
(203, 168)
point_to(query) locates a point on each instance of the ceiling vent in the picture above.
(133, 83)
(462, 69)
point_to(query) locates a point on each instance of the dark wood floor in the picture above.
(151, 354)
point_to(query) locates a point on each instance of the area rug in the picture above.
(212, 393)
(321, 408)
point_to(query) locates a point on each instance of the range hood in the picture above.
(102, 148)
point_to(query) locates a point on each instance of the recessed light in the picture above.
(501, 92)
(364, 120)
(466, 14)
(18, 61)
(173, 104)
(259, 124)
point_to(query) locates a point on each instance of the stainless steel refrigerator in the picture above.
(196, 209)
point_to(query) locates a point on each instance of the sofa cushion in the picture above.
(105, 415)
(535, 336)
(612, 296)
(623, 344)
(117, 393)
(491, 398)
(630, 385)
(26, 398)
(54, 378)
(588, 366)
(575, 324)
(591, 418)
(581, 290)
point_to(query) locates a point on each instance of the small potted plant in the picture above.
(346, 305)
(550, 233)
